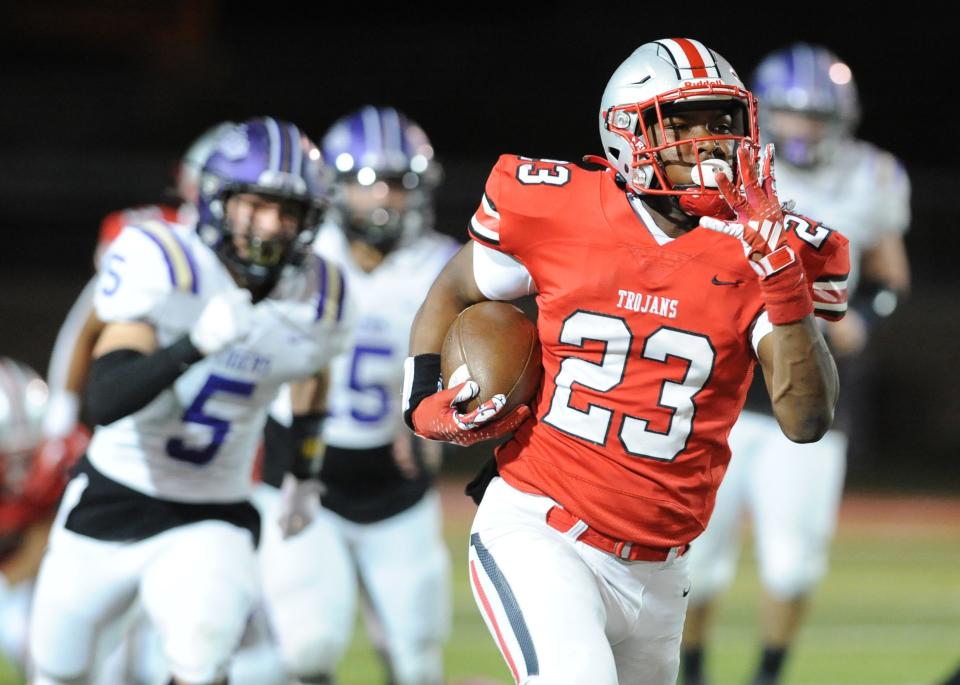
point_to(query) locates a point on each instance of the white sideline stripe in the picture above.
(830, 307)
(483, 230)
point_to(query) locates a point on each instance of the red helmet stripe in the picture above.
(693, 56)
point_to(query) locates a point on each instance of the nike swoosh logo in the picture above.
(686, 592)
(717, 281)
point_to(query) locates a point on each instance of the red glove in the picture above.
(759, 227)
(438, 418)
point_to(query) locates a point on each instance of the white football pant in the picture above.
(197, 584)
(311, 586)
(565, 613)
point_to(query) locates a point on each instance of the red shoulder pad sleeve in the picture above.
(825, 255)
(518, 188)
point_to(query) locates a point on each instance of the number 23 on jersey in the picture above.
(633, 432)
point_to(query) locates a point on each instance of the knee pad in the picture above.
(790, 574)
(309, 656)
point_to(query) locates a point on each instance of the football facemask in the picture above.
(674, 74)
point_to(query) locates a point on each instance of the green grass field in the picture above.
(887, 614)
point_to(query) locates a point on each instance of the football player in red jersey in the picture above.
(662, 275)
(33, 473)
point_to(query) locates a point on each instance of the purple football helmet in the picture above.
(272, 158)
(814, 84)
(379, 145)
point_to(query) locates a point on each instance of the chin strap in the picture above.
(600, 161)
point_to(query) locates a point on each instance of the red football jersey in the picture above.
(31, 496)
(647, 352)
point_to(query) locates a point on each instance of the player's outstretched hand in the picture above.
(438, 418)
(226, 319)
(759, 227)
(759, 218)
(299, 503)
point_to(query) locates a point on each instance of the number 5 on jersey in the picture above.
(198, 413)
(593, 425)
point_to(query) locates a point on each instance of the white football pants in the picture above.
(312, 581)
(565, 613)
(197, 584)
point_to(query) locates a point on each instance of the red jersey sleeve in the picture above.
(521, 198)
(825, 255)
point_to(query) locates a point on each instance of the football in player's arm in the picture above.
(33, 473)
(661, 276)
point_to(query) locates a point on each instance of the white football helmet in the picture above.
(655, 77)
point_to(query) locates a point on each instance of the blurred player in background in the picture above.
(203, 325)
(663, 273)
(809, 109)
(140, 658)
(379, 532)
(70, 359)
(33, 473)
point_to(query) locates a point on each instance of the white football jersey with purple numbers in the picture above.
(862, 191)
(197, 440)
(365, 389)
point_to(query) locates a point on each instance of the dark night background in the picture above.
(100, 98)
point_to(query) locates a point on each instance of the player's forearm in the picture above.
(124, 381)
(804, 386)
(82, 353)
(307, 446)
(308, 398)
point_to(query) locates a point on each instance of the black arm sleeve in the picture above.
(125, 381)
(278, 452)
(306, 438)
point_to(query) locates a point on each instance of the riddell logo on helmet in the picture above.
(705, 82)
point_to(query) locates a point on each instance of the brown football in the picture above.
(497, 346)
